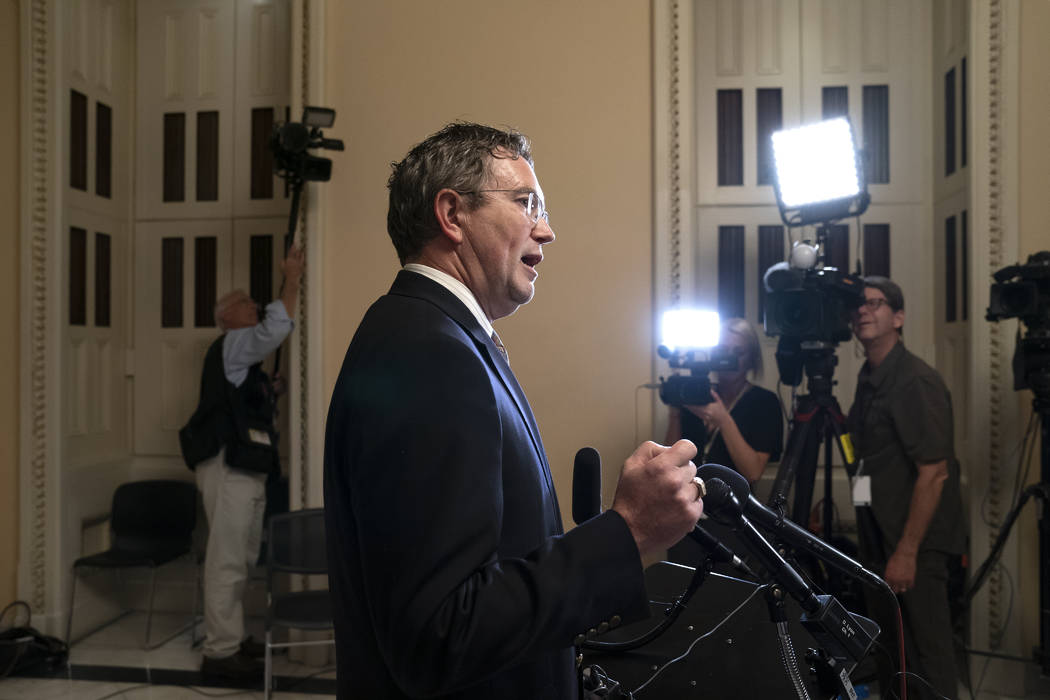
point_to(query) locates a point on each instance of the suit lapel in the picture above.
(411, 284)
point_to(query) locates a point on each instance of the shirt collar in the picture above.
(878, 375)
(459, 289)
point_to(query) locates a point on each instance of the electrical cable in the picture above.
(689, 649)
(908, 674)
(900, 647)
(1026, 460)
(980, 681)
(1022, 446)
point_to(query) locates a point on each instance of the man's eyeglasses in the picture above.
(873, 304)
(529, 200)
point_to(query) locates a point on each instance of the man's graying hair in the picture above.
(457, 157)
(891, 290)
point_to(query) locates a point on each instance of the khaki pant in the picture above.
(234, 502)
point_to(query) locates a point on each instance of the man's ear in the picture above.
(898, 319)
(449, 208)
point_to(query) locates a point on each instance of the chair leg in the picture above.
(267, 676)
(72, 601)
(196, 601)
(149, 613)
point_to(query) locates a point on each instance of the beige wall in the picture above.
(10, 191)
(1034, 236)
(1034, 135)
(575, 77)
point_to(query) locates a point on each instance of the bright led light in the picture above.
(689, 328)
(816, 163)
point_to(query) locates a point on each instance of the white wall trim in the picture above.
(995, 34)
(674, 187)
(39, 401)
(305, 479)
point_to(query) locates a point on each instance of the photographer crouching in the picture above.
(231, 444)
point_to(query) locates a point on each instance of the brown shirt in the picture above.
(901, 417)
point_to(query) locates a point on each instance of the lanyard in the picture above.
(729, 410)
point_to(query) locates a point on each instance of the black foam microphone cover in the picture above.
(586, 485)
(714, 502)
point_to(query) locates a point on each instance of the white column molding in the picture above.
(674, 186)
(40, 403)
(307, 383)
(994, 416)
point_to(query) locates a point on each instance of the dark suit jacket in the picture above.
(450, 574)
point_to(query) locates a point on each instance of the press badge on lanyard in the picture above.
(861, 487)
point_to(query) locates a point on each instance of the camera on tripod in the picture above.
(810, 303)
(291, 140)
(1023, 292)
(809, 306)
(688, 341)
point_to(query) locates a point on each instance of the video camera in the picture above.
(1023, 292)
(689, 340)
(805, 302)
(809, 306)
(290, 141)
(693, 389)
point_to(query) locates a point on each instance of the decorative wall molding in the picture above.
(38, 428)
(995, 417)
(999, 363)
(307, 57)
(675, 156)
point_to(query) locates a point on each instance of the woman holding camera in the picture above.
(742, 427)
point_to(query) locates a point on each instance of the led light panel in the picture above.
(815, 163)
(684, 329)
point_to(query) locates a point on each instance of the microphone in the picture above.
(586, 485)
(786, 529)
(718, 551)
(720, 502)
(845, 636)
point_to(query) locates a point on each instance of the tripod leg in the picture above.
(829, 503)
(1044, 545)
(835, 422)
(807, 474)
(789, 464)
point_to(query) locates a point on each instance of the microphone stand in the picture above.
(775, 604)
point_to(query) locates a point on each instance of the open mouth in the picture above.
(532, 260)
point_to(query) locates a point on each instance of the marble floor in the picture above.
(109, 664)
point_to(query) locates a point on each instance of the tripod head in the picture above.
(815, 359)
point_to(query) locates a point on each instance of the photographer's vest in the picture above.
(239, 418)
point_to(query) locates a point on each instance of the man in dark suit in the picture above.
(451, 576)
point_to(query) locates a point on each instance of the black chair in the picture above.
(296, 545)
(151, 523)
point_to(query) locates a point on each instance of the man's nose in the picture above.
(543, 232)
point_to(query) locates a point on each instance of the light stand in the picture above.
(819, 179)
